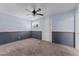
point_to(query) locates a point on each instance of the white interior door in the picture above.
(47, 29)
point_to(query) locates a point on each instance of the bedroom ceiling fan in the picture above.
(35, 12)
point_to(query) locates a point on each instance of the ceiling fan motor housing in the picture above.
(34, 12)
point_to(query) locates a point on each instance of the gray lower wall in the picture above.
(37, 34)
(66, 38)
(6, 37)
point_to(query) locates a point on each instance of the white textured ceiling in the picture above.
(18, 9)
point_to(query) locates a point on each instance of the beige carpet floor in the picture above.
(34, 47)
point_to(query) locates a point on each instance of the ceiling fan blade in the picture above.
(40, 14)
(39, 10)
(28, 14)
(28, 10)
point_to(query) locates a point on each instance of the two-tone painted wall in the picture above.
(63, 28)
(13, 28)
(58, 28)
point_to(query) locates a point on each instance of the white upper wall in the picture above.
(12, 23)
(63, 22)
